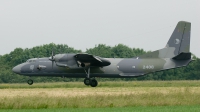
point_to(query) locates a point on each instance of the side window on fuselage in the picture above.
(31, 61)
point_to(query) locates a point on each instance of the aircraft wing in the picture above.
(91, 60)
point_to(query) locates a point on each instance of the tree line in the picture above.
(19, 55)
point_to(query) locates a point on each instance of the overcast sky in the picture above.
(82, 24)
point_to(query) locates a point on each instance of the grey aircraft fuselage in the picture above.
(119, 68)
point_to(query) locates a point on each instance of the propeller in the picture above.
(52, 59)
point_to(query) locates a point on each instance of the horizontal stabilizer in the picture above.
(182, 56)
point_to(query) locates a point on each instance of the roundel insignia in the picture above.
(177, 41)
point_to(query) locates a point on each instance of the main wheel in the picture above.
(93, 83)
(30, 82)
(87, 81)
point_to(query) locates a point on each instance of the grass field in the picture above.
(193, 83)
(108, 96)
(114, 109)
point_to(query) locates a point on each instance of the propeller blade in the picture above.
(52, 58)
(52, 64)
(52, 54)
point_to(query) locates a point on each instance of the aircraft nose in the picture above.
(17, 69)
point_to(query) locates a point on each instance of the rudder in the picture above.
(180, 38)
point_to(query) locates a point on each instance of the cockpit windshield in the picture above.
(31, 61)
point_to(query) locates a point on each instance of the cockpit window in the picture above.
(31, 61)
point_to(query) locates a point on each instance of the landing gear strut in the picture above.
(30, 82)
(88, 81)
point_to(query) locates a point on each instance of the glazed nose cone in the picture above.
(16, 69)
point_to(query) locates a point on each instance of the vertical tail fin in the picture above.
(179, 42)
(180, 38)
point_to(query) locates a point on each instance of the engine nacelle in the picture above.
(66, 60)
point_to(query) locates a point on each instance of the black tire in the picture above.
(93, 83)
(87, 81)
(30, 82)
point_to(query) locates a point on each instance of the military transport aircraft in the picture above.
(175, 54)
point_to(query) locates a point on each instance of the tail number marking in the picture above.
(148, 66)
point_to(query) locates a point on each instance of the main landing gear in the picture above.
(90, 81)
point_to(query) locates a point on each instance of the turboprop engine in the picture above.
(74, 61)
(65, 60)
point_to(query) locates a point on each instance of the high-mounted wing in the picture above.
(91, 60)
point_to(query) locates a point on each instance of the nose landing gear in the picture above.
(30, 82)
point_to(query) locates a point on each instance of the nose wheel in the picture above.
(88, 81)
(30, 82)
